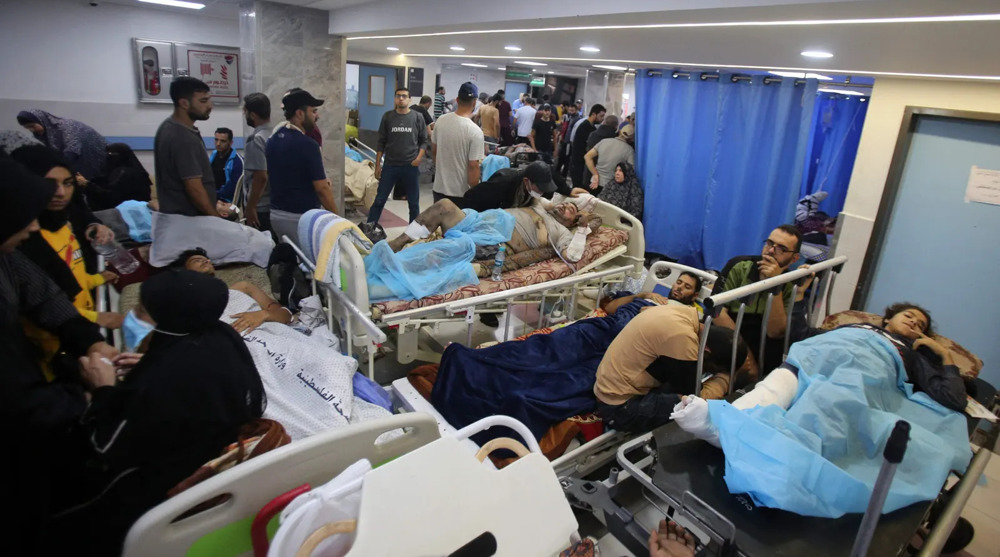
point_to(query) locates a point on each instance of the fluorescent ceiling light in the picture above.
(550, 71)
(475, 65)
(529, 63)
(176, 4)
(842, 92)
(590, 49)
(502, 68)
(512, 48)
(458, 48)
(606, 67)
(392, 48)
(794, 22)
(673, 64)
(816, 54)
(803, 75)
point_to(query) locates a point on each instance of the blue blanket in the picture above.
(435, 267)
(541, 380)
(821, 457)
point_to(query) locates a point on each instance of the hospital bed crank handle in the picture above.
(895, 447)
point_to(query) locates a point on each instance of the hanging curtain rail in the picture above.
(735, 78)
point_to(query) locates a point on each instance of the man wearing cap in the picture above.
(609, 153)
(510, 188)
(295, 166)
(458, 148)
(543, 134)
(402, 137)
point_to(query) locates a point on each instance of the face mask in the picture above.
(534, 194)
(135, 330)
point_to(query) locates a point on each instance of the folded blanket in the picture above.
(821, 457)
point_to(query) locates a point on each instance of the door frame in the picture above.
(889, 193)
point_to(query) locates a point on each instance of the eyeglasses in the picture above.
(778, 248)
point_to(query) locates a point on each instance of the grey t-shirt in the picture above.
(179, 153)
(254, 159)
(459, 141)
(610, 152)
(400, 136)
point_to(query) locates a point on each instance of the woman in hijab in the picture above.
(78, 143)
(123, 179)
(624, 191)
(177, 408)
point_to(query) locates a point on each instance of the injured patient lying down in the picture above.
(809, 438)
(469, 244)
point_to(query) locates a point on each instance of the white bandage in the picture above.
(691, 413)
(574, 252)
(416, 231)
(779, 387)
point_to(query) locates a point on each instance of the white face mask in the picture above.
(534, 194)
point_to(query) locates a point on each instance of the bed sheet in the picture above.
(599, 243)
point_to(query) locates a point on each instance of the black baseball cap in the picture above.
(540, 174)
(297, 98)
(468, 91)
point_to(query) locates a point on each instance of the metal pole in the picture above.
(506, 322)
(470, 320)
(736, 340)
(701, 355)
(895, 447)
(763, 334)
(788, 320)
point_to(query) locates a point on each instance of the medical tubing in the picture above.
(893, 453)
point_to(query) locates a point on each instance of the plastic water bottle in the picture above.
(498, 262)
(119, 257)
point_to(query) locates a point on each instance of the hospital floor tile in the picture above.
(986, 542)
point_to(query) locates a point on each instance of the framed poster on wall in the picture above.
(376, 90)
(159, 62)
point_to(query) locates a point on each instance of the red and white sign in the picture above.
(220, 70)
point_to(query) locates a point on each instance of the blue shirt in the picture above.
(294, 162)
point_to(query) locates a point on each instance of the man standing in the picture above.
(780, 251)
(458, 148)
(524, 119)
(578, 140)
(570, 119)
(257, 112)
(423, 108)
(543, 134)
(185, 183)
(402, 137)
(439, 101)
(489, 120)
(227, 165)
(608, 153)
(295, 167)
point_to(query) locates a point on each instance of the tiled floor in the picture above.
(983, 511)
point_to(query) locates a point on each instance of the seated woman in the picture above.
(624, 191)
(58, 250)
(826, 412)
(123, 179)
(177, 408)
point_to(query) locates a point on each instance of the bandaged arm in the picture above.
(574, 250)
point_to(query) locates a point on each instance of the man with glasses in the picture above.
(402, 138)
(780, 251)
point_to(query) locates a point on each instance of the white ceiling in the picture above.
(967, 49)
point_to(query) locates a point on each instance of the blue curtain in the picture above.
(836, 131)
(720, 162)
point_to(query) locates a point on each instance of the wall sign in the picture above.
(220, 70)
(157, 63)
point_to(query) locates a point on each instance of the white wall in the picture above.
(430, 66)
(488, 81)
(74, 60)
(889, 99)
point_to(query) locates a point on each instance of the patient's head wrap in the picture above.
(184, 302)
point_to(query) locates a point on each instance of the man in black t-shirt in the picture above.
(543, 134)
(424, 109)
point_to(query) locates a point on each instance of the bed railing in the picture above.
(826, 271)
(364, 150)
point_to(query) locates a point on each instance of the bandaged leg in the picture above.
(444, 214)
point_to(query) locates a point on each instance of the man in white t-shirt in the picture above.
(458, 148)
(524, 119)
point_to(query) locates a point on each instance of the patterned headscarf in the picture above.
(77, 142)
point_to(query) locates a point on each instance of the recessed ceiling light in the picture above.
(606, 67)
(550, 71)
(529, 63)
(392, 48)
(471, 65)
(176, 4)
(816, 54)
(458, 48)
(502, 68)
(842, 92)
(590, 49)
(512, 48)
(803, 75)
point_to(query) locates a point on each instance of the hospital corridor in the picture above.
(293, 278)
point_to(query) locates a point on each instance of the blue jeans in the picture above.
(409, 177)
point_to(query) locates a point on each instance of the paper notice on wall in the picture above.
(984, 186)
(220, 70)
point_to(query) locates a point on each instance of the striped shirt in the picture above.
(438, 105)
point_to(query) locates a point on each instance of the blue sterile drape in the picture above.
(720, 162)
(833, 144)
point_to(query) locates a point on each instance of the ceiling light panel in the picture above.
(458, 48)
(529, 63)
(175, 4)
(512, 48)
(590, 49)
(816, 54)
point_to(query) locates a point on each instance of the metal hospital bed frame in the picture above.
(687, 479)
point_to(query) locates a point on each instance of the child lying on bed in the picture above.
(826, 412)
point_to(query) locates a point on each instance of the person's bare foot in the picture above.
(672, 540)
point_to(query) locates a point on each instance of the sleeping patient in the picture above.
(310, 386)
